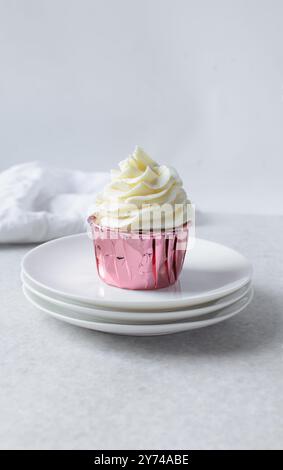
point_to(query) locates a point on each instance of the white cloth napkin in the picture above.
(38, 203)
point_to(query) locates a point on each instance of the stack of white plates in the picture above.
(60, 278)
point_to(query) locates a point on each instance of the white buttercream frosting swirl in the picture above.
(142, 195)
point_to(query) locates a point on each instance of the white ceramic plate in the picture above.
(139, 330)
(120, 316)
(66, 268)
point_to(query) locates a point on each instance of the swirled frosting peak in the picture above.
(142, 195)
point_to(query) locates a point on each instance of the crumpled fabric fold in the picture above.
(39, 203)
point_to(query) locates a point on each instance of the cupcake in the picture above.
(140, 225)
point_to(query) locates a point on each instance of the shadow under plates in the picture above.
(259, 325)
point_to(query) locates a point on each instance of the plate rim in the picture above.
(139, 316)
(142, 317)
(148, 328)
(141, 304)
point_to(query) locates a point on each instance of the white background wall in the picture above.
(197, 83)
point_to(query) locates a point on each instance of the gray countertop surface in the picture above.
(220, 387)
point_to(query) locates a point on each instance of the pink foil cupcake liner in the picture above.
(139, 260)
